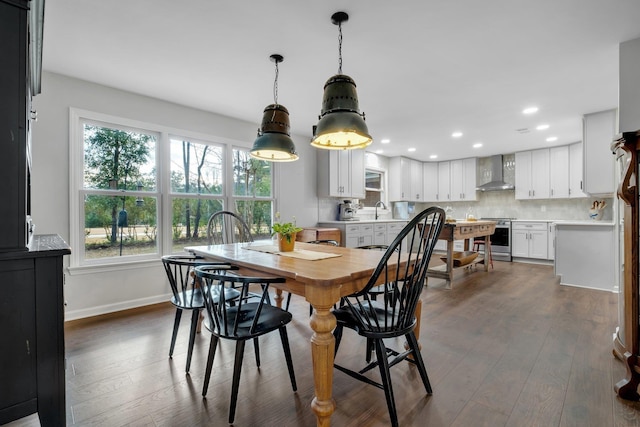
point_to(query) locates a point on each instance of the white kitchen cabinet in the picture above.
(576, 171)
(551, 241)
(416, 181)
(599, 130)
(529, 240)
(380, 234)
(405, 179)
(559, 172)
(358, 235)
(532, 174)
(393, 229)
(463, 180)
(341, 173)
(430, 182)
(444, 191)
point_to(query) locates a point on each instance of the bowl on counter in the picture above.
(461, 258)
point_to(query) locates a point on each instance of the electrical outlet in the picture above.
(543, 208)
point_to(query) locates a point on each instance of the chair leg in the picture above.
(195, 318)
(369, 350)
(256, 348)
(287, 355)
(383, 364)
(212, 354)
(417, 357)
(176, 325)
(286, 306)
(337, 334)
(237, 368)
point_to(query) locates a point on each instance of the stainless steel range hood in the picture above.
(497, 182)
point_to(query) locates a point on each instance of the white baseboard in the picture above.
(111, 308)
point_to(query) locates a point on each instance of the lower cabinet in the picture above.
(358, 235)
(393, 229)
(32, 373)
(361, 233)
(530, 240)
(380, 234)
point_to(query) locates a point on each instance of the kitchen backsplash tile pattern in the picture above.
(494, 204)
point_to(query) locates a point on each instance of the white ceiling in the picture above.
(424, 68)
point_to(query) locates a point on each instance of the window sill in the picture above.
(107, 268)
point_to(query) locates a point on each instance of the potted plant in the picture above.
(286, 233)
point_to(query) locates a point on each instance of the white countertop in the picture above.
(569, 222)
(364, 221)
(584, 222)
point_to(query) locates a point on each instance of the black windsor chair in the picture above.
(244, 321)
(227, 227)
(403, 268)
(187, 294)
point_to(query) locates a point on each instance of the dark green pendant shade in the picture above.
(274, 142)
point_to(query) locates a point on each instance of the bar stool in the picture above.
(476, 248)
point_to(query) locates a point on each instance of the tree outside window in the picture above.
(119, 167)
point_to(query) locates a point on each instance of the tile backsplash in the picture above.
(494, 204)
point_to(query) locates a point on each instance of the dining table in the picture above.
(322, 275)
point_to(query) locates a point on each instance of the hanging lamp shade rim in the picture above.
(274, 147)
(341, 130)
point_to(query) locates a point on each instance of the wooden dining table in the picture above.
(322, 282)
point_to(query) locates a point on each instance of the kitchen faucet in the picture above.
(378, 203)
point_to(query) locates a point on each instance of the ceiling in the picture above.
(424, 69)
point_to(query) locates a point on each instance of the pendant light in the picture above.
(341, 126)
(274, 142)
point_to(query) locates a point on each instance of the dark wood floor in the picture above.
(506, 348)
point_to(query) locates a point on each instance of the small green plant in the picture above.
(285, 229)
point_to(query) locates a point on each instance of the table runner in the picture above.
(297, 253)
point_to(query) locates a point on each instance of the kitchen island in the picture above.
(585, 254)
(467, 231)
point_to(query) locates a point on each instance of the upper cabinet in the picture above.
(405, 180)
(463, 180)
(430, 182)
(532, 174)
(576, 171)
(341, 173)
(444, 190)
(559, 172)
(599, 130)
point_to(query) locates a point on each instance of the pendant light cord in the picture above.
(275, 86)
(340, 48)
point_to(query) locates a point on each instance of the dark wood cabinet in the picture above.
(15, 94)
(32, 371)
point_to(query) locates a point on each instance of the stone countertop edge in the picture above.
(364, 221)
(607, 223)
(584, 222)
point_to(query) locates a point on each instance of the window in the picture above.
(252, 192)
(119, 191)
(374, 187)
(197, 189)
(141, 191)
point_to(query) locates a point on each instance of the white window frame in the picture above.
(383, 190)
(78, 265)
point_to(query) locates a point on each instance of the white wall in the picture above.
(95, 292)
(629, 96)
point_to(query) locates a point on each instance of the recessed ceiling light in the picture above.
(477, 145)
(456, 134)
(530, 110)
(433, 156)
(385, 141)
(552, 139)
(542, 127)
(379, 151)
(411, 150)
